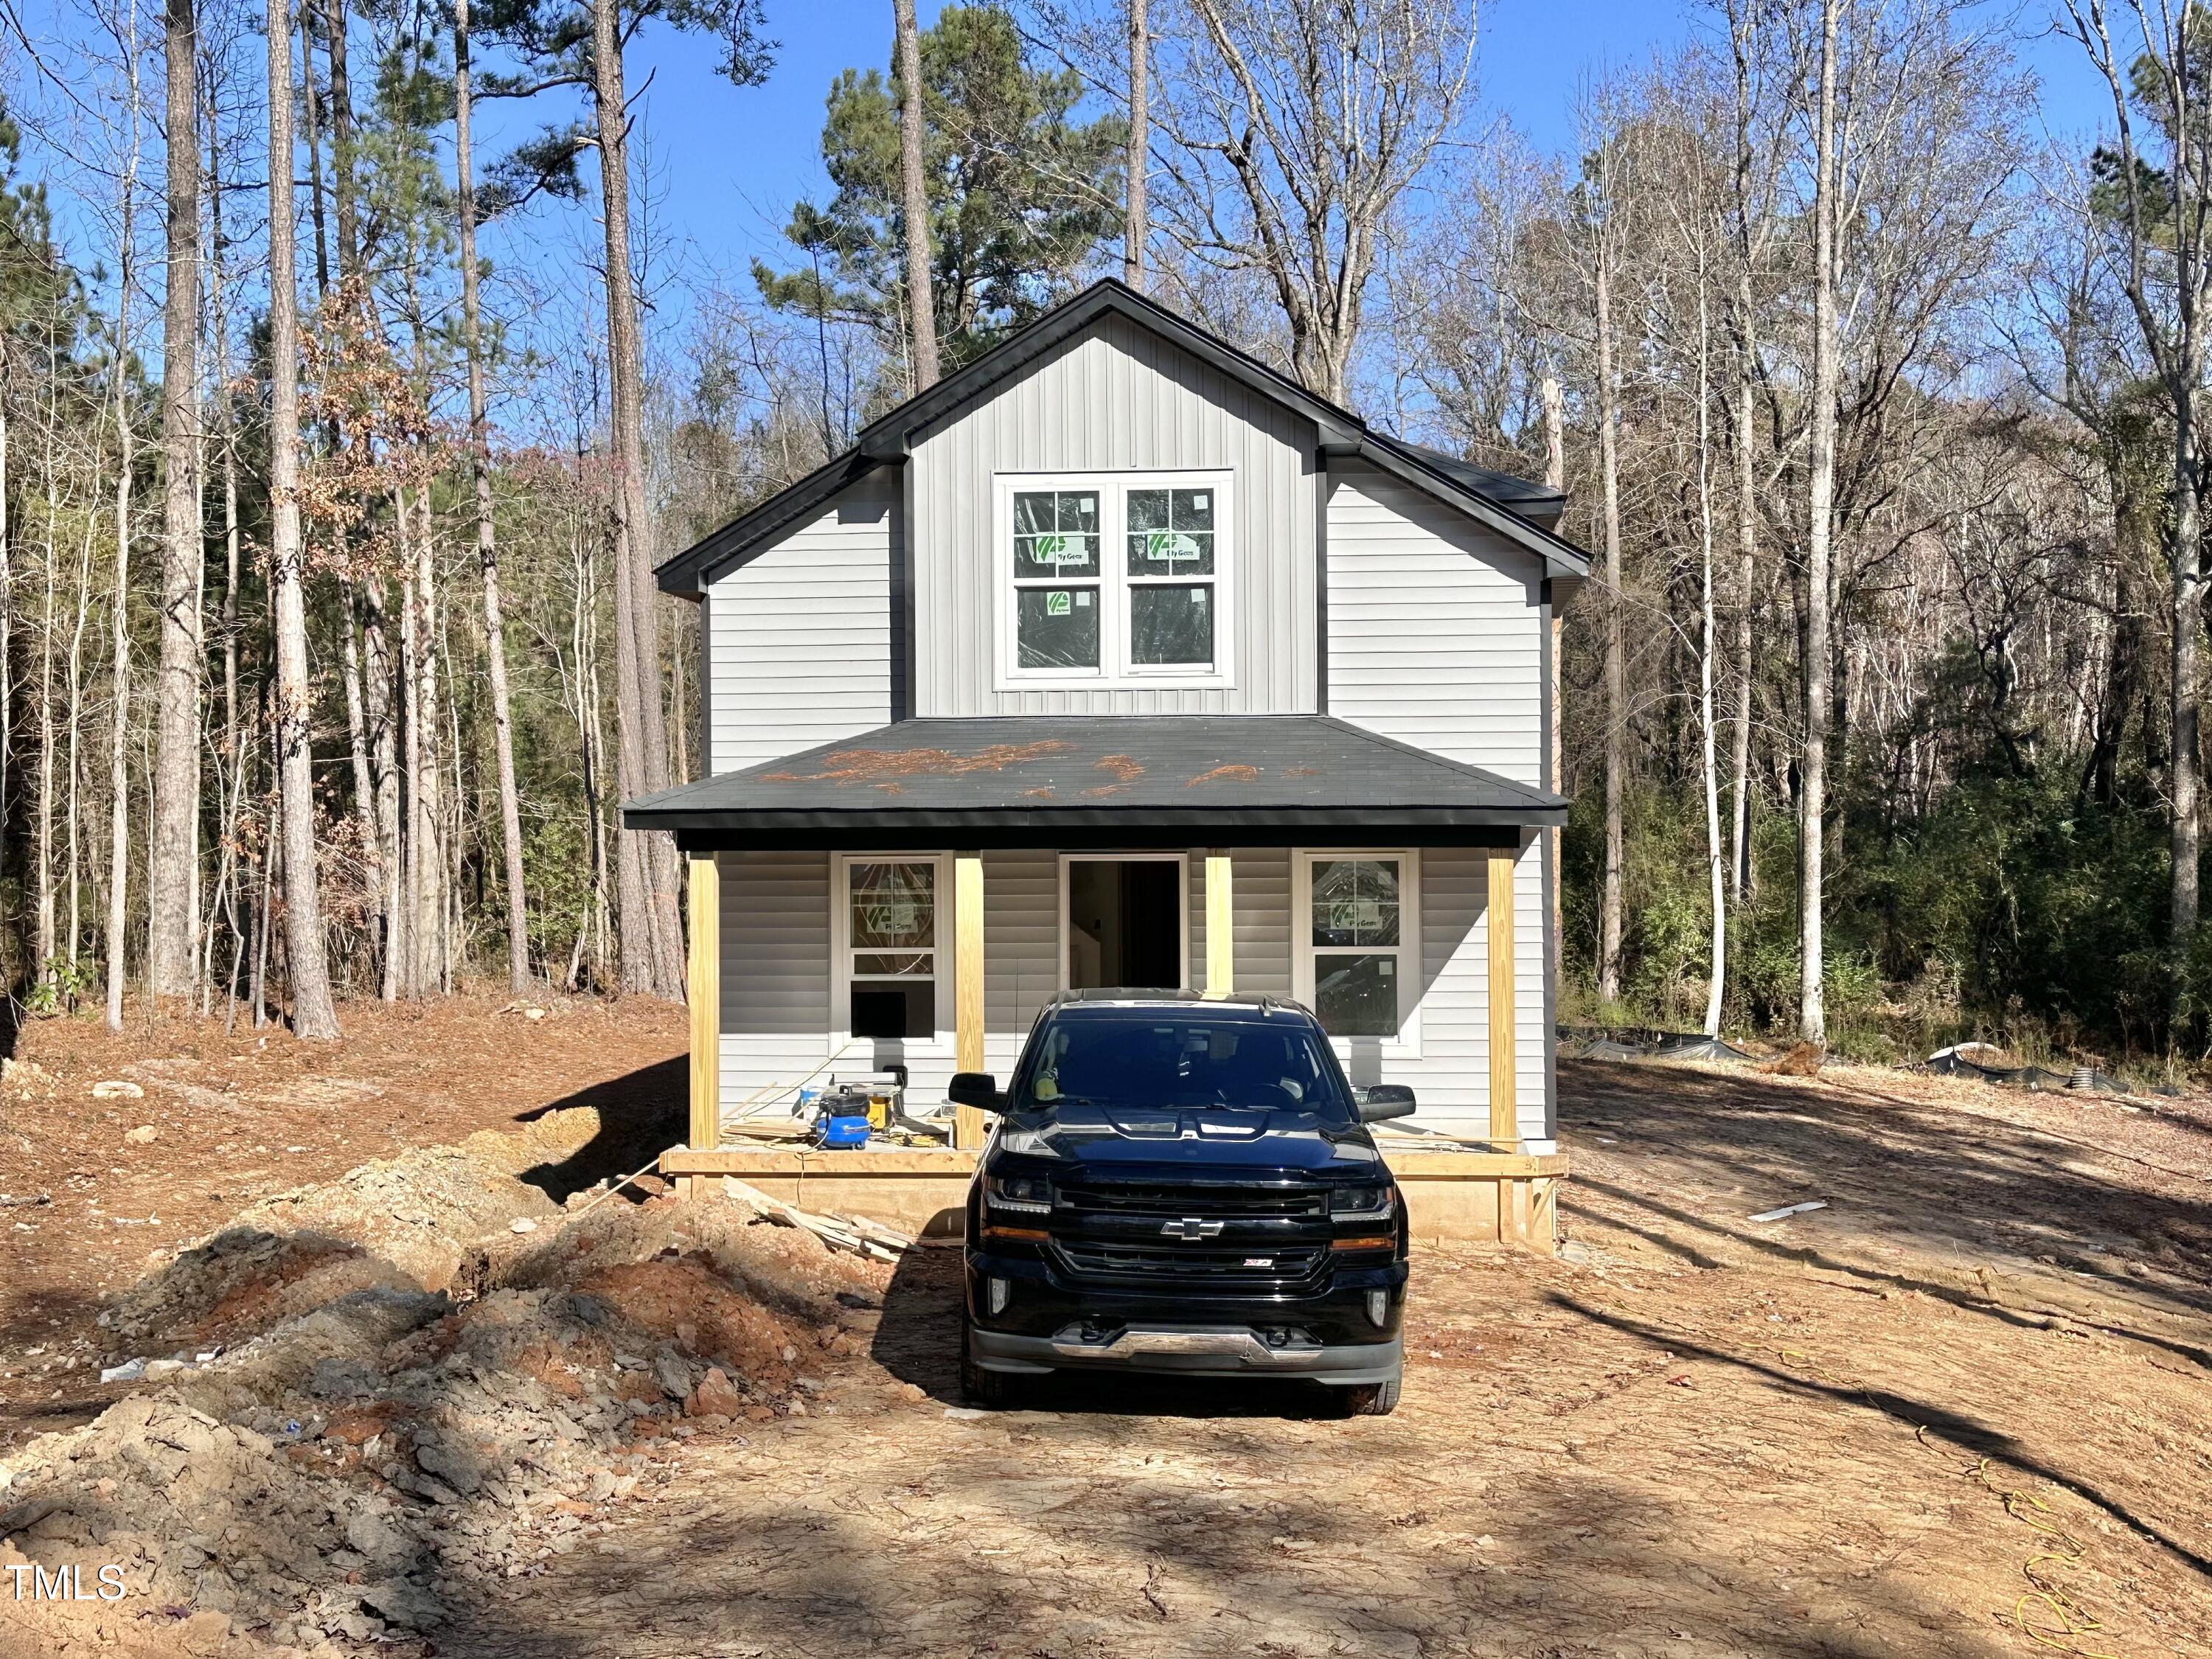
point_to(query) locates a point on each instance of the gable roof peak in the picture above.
(1516, 513)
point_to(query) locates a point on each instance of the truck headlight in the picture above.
(1030, 1194)
(1362, 1203)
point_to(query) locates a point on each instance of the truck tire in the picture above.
(1369, 1399)
(995, 1390)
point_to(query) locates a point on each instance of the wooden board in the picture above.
(1505, 1116)
(703, 990)
(1220, 925)
(967, 988)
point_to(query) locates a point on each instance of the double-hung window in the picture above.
(1358, 930)
(887, 946)
(1116, 579)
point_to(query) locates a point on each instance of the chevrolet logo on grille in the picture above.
(1191, 1227)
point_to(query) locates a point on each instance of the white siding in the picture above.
(776, 1016)
(775, 971)
(805, 644)
(1436, 638)
(1435, 627)
(1114, 399)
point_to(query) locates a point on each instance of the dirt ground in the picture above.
(86, 1210)
(1965, 1401)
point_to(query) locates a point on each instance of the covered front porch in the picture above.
(912, 897)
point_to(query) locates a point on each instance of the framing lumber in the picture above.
(1504, 1124)
(703, 990)
(1220, 925)
(967, 988)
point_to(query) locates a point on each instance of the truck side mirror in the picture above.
(1385, 1100)
(976, 1089)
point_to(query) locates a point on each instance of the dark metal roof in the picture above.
(1502, 503)
(1541, 502)
(1110, 779)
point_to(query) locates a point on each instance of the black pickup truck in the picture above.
(1182, 1185)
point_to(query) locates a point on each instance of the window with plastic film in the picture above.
(891, 947)
(1116, 579)
(1056, 610)
(1169, 541)
(1359, 941)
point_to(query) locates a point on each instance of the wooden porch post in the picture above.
(968, 987)
(703, 990)
(1220, 925)
(1505, 1123)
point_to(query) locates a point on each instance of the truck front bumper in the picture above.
(1187, 1351)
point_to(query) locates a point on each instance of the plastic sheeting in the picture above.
(2083, 1079)
(1612, 1042)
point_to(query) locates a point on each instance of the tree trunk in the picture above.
(341, 178)
(313, 1015)
(1555, 475)
(412, 975)
(364, 778)
(1616, 654)
(1746, 529)
(2188, 688)
(1708, 644)
(118, 775)
(1813, 1023)
(46, 947)
(510, 807)
(913, 113)
(430, 894)
(384, 759)
(172, 872)
(1137, 232)
(652, 928)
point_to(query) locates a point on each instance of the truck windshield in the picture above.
(1149, 1057)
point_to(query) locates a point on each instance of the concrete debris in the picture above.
(422, 1378)
(145, 1134)
(116, 1088)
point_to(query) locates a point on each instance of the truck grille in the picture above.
(1238, 1265)
(1257, 1239)
(1168, 1202)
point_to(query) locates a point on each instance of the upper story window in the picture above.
(1116, 579)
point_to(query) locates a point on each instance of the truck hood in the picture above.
(1108, 1139)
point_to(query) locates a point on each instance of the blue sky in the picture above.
(729, 163)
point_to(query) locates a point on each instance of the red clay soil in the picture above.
(238, 1118)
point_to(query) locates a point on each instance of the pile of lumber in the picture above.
(845, 1233)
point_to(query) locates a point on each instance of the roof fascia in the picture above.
(687, 575)
(1561, 557)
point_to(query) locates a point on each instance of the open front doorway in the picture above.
(1122, 922)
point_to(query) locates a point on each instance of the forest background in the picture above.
(333, 468)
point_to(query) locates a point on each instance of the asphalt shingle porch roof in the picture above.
(1119, 780)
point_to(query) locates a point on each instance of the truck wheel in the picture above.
(1369, 1399)
(978, 1387)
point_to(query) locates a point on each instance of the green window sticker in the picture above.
(1056, 605)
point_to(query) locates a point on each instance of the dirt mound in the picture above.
(411, 1222)
(416, 1398)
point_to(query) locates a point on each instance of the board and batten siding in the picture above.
(1113, 399)
(805, 636)
(1435, 635)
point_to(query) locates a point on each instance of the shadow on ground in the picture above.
(641, 1114)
